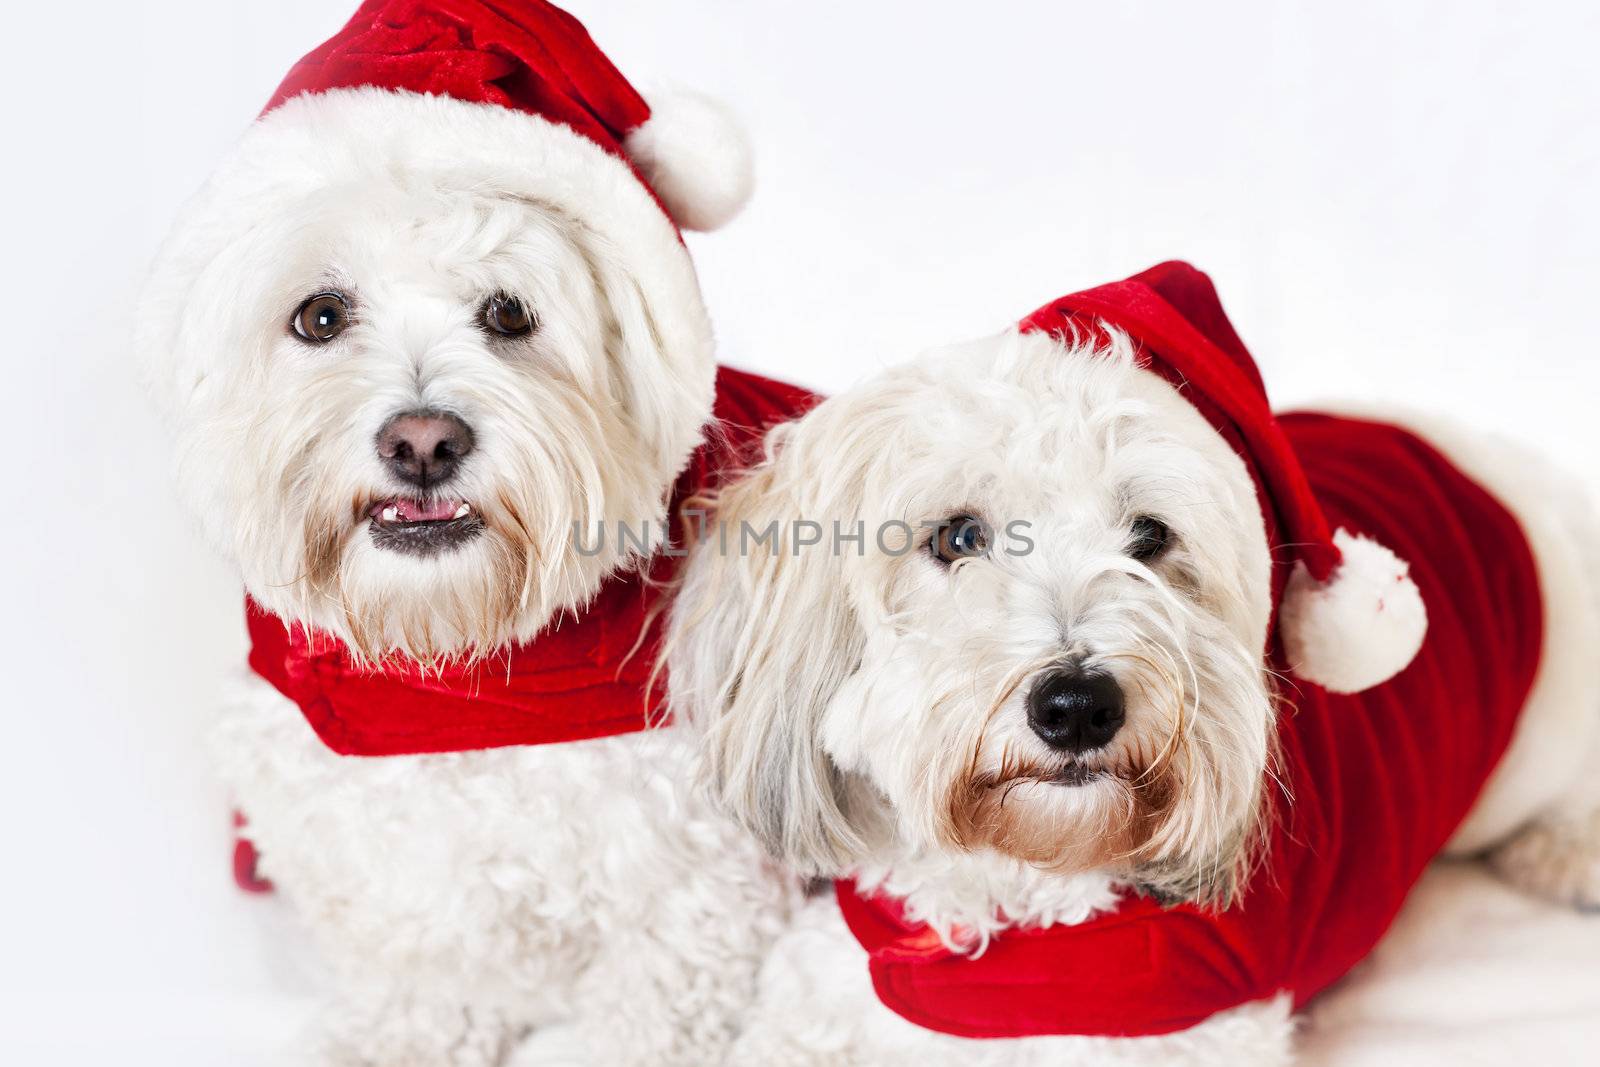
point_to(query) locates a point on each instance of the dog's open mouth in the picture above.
(422, 527)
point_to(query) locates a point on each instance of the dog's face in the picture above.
(1065, 667)
(397, 395)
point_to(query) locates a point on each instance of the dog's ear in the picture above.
(762, 636)
(658, 347)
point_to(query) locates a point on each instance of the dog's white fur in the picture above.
(878, 743)
(463, 898)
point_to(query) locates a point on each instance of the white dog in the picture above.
(425, 324)
(1059, 695)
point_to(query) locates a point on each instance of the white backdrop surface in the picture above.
(1397, 200)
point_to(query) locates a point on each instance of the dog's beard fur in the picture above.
(902, 727)
(577, 427)
(545, 480)
(1172, 798)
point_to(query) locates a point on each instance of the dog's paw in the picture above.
(407, 1035)
(595, 1043)
(552, 1046)
(1557, 860)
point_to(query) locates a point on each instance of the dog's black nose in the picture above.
(1075, 711)
(424, 448)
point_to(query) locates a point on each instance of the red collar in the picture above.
(584, 677)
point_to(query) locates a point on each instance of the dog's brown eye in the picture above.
(321, 318)
(1150, 539)
(506, 316)
(959, 537)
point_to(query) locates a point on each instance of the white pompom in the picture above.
(1358, 629)
(695, 156)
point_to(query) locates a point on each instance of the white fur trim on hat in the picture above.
(695, 156)
(1358, 629)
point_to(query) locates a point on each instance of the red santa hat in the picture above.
(532, 57)
(1348, 614)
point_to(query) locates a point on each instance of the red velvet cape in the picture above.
(584, 677)
(1379, 779)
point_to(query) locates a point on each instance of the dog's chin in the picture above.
(1077, 815)
(454, 574)
(423, 527)
(428, 579)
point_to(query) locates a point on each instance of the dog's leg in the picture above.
(686, 906)
(1556, 857)
(447, 931)
(667, 995)
(392, 1026)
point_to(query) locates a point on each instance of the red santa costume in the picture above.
(1390, 725)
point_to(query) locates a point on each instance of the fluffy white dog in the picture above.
(416, 332)
(1060, 695)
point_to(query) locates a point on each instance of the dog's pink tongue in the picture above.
(437, 511)
(423, 511)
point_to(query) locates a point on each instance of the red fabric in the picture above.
(577, 680)
(522, 54)
(246, 859)
(1379, 779)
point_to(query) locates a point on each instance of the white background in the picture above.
(1397, 200)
